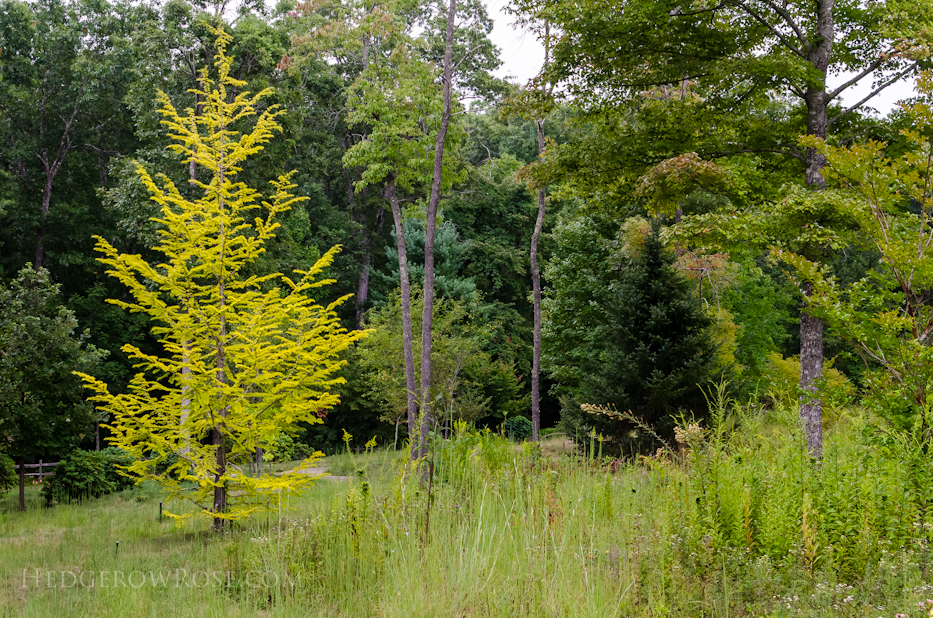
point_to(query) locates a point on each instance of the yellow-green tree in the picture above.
(246, 357)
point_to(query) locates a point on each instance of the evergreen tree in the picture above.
(41, 409)
(624, 330)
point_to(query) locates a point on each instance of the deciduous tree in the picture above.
(247, 357)
(737, 55)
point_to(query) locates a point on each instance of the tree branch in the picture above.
(676, 12)
(871, 69)
(781, 37)
(873, 93)
(801, 35)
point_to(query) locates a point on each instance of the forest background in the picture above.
(669, 190)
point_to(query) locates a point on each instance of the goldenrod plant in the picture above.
(246, 357)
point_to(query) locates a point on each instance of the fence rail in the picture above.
(40, 465)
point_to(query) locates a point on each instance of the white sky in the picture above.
(523, 56)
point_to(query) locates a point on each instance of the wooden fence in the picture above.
(40, 465)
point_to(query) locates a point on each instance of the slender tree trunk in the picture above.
(186, 346)
(536, 273)
(411, 387)
(22, 482)
(220, 490)
(536, 302)
(811, 328)
(430, 230)
(43, 218)
(50, 168)
(362, 288)
(366, 238)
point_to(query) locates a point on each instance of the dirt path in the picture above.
(320, 470)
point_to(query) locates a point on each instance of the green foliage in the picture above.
(249, 357)
(468, 381)
(781, 381)
(398, 98)
(88, 474)
(517, 428)
(285, 448)
(885, 314)
(737, 519)
(716, 79)
(449, 250)
(624, 330)
(8, 476)
(41, 408)
(64, 74)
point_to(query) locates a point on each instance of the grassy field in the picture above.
(504, 531)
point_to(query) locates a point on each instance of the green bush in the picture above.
(518, 428)
(88, 474)
(8, 478)
(286, 448)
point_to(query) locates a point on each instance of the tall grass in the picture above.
(735, 520)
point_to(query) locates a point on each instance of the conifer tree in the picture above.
(624, 331)
(247, 357)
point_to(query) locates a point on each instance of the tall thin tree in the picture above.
(431, 227)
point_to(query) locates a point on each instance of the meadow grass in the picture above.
(725, 525)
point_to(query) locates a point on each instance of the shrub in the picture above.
(8, 478)
(87, 474)
(286, 448)
(518, 428)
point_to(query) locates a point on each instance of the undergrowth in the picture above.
(733, 520)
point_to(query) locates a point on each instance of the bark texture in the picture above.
(811, 328)
(811, 369)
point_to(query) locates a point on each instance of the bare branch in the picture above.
(890, 82)
(869, 70)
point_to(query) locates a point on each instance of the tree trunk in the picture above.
(811, 369)
(430, 229)
(366, 239)
(22, 483)
(43, 217)
(185, 370)
(536, 302)
(51, 170)
(362, 288)
(407, 346)
(811, 328)
(220, 490)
